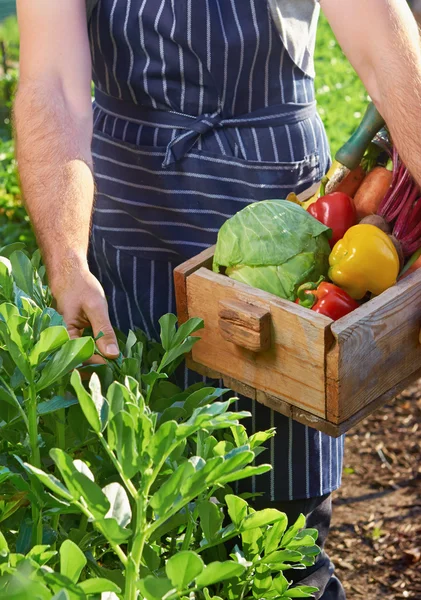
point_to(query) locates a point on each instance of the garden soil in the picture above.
(375, 540)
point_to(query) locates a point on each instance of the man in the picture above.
(202, 106)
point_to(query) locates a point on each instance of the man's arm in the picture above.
(381, 40)
(53, 121)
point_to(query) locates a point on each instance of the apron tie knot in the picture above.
(185, 140)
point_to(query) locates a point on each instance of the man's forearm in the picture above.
(381, 39)
(55, 167)
(398, 81)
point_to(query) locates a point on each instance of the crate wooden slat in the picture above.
(324, 374)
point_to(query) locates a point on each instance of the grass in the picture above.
(342, 98)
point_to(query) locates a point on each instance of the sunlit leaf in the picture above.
(72, 560)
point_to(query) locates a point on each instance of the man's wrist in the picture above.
(64, 266)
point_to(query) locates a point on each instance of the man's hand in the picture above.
(81, 300)
(382, 42)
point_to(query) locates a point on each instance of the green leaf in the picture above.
(169, 491)
(167, 324)
(7, 394)
(216, 572)
(122, 435)
(51, 482)
(56, 403)
(79, 485)
(151, 558)
(183, 568)
(303, 591)
(72, 354)
(8, 250)
(211, 518)
(240, 435)
(4, 548)
(274, 535)
(301, 542)
(86, 402)
(262, 518)
(162, 441)
(40, 554)
(15, 352)
(201, 397)
(98, 585)
(262, 581)
(252, 542)
(175, 353)
(49, 340)
(83, 468)
(72, 560)
(245, 473)
(282, 556)
(6, 279)
(154, 588)
(153, 376)
(99, 401)
(300, 523)
(280, 584)
(23, 272)
(61, 595)
(112, 531)
(187, 329)
(119, 504)
(237, 509)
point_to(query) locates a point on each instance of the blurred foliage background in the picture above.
(341, 98)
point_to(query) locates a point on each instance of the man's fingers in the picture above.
(74, 332)
(100, 323)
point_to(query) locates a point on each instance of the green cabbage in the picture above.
(273, 245)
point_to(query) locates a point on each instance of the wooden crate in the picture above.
(328, 375)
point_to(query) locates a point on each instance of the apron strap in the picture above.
(192, 128)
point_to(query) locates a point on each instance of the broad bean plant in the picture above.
(116, 483)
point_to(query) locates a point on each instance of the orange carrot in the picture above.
(351, 183)
(372, 191)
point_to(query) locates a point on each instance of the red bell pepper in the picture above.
(335, 210)
(326, 298)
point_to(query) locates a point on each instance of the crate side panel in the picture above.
(204, 259)
(293, 369)
(377, 348)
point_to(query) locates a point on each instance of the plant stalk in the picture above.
(135, 556)
(35, 459)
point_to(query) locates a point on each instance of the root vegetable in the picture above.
(351, 183)
(372, 191)
(377, 221)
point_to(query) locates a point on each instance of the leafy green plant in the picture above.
(126, 474)
(14, 221)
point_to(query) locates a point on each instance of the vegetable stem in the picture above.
(35, 459)
(127, 482)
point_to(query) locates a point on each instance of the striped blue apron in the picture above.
(199, 110)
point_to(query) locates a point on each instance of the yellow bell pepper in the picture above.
(364, 260)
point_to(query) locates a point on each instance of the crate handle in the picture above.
(245, 325)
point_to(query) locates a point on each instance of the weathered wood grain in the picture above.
(204, 259)
(376, 347)
(293, 369)
(245, 325)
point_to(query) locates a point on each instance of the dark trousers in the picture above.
(318, 513)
